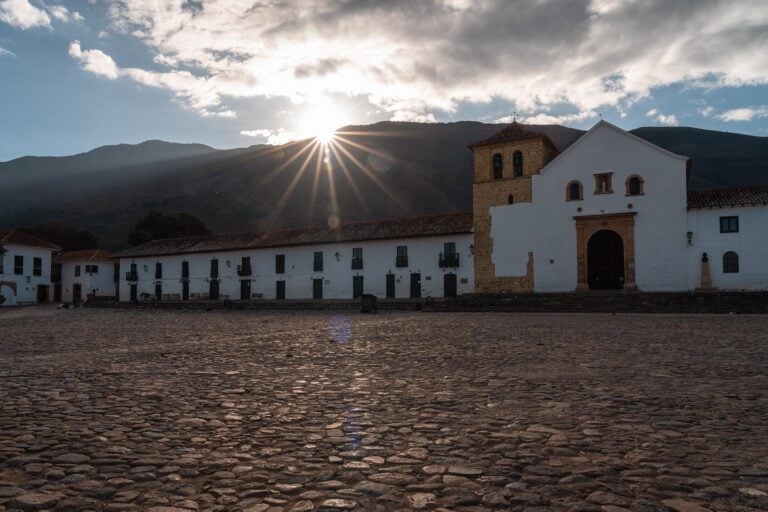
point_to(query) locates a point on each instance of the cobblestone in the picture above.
(125, 410)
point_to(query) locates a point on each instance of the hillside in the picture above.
(382, 170)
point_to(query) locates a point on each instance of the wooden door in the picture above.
(245, 289)
(317, 289)
(390, 286)
(415, 285)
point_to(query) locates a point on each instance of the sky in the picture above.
(79, 74)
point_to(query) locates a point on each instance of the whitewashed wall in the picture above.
(102, 282)
(26, 283)
(750, 243)
(378, 260)
(548, 227)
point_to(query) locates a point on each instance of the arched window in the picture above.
(730, 263)
(574, 191)
(517, 164)
(510, 199)
(634, 186)
(498, 166)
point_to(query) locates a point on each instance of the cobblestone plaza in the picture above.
(192, 410)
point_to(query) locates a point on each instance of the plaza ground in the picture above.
(259, 411)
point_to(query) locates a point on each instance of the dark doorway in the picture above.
(449, 285)
(77, 293)
(317, 289)
(213, 292)
(390, 286)
(280, 290)
(158, 291)
(185, 290)
(42, 293)
(134, 294)
(605, 261)
(245, 289)
(357, 287)
(415, 286)
(57, 292)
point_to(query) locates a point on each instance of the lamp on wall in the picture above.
(229, 263)
(146, 268)
(689, 235)
(338, 256)
(471, 249)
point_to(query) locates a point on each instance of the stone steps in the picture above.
(611, 302)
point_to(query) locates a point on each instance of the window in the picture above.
(498, 167)
(510, 199)
(449, 248)
(318, 262)
(279, 263)
(91, 269)
(77, 270)
(402, 256)
(729, 224)
(244, 268)
(357, 258)
(185, 270)
(634, 186)
(37, 266)
(603, 183)
(158, 270)
(730, 263)
(517, 164)
(574, 191)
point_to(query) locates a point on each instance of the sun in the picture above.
(321, 122)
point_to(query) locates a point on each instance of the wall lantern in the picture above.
(338, 256)
(690, 237)
(146, 268)
(229, 263)
(471, 249)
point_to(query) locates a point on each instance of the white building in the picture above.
(427, 256)
(609, 212)
(25, 268)
(83, 274)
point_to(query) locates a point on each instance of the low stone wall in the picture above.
(611, 302)
(267, 305)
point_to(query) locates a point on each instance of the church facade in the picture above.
(612, 211)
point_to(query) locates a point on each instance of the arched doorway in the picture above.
(605, 261)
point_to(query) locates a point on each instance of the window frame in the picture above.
(730, 221)
(517, 164)
(497, 171)
(640, 185)
(279, 263)
(317, 262)
(730, 262)
(580, 191)
(401, 256)
(77, 270)
(37, 266)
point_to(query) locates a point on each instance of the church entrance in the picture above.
(605, 261)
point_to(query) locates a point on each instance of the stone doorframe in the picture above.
(588, 225)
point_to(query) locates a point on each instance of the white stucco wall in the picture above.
(102, 282)
(750, 243)
(378, 260)
(548, 227)
(26, 283)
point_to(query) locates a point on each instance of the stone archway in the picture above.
(605, 261)
(623, 225)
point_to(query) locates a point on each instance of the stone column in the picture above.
(706, 277)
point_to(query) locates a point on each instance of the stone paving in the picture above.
(285, 412)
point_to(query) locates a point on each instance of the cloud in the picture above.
(415, 59)
(551, 119)
(744, 114)
(23, 15)
(274, 137)
(6, 53)
(668, 120)
(705, 111)
(61, 13)
(95, 61)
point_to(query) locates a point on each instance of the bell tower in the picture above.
(503, 166)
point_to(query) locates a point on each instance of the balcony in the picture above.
(244, 270)
(158, 275)
(132, 276)
(449, 260)
(401, 261)
(357, 263)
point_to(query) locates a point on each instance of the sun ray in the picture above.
(348, 176)
(289, 190)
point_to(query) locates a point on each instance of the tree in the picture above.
(65, 236)
(159, 224)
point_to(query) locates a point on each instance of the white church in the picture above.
(610, 212)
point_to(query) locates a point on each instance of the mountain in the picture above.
(382, 170)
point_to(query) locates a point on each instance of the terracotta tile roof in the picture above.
(17, 237)
(410, 227)
(86, 255)
(510, 133)
(725, 197)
